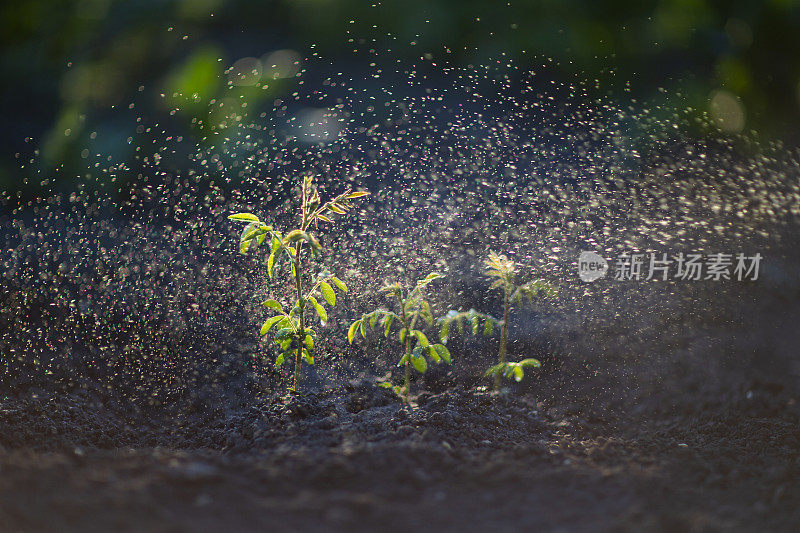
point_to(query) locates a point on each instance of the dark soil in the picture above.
(353, 458)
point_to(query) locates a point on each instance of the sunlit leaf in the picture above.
(323, 315)
(443, 352)
(327, 293)
(244, 217)
(357, 194)
(351, 333)
(419, 363)
(270, 322)
(273, 304)
(339, 283)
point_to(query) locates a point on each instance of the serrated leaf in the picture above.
(244, 217)
(327, 293)
(273, 304)
(339, 284)
(269, 323)
(351, 333)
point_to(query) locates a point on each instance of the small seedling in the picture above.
(503, 270)
(412, 306)
(292, 335)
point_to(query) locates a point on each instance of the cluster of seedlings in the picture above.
(412, 312)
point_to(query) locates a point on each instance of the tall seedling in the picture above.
(293, 336)
(411, 306)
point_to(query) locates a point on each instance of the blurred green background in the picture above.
(72, 69)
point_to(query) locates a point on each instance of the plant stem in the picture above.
(503, 338)
(301, 331)
(408, 328)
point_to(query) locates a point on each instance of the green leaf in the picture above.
(445, 333)
(387, 324)
(254, 230)
(443, 352)
(280, 359)
(385, 385)
(271, 263)
(308, 357)
(402, 334)
(323, 315)
(495, 369)
(244, 246)
(403, 360)
(373, 319)
(244, 217)
(433, 354)
(284, 343)
(273, 304)
(488, 328)
(283, 333)
(530, 362)
(269, 323)
(328, 293)
(419, 363)
(351, 333)
(363, 329)
(309, 342)
(518, 373)
(421, 338)
(339, 283)
(357, 194)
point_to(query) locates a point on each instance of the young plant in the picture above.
(412, 306)
(502, 270)
(292, 335)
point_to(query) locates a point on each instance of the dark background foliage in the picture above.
(71, 69)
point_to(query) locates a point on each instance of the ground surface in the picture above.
(353, 459)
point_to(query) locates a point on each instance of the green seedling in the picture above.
(292, 334)
(503, 271)
(412, 306)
